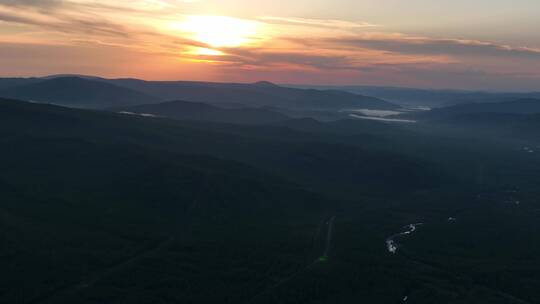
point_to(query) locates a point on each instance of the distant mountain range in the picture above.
(413, 97)
(255, 94)
(14, 82)
(519, 106)
(92, 92)
(517, 119)
(73, 92)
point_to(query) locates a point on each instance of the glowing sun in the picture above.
(218, 31)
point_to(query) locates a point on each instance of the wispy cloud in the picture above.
(427, 45)
(65, 23)
(324, 59)
(34, 3)
(324, 23)
(319, 48)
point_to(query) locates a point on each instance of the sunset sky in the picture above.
(481, 44)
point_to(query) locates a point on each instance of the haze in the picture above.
(488, 45)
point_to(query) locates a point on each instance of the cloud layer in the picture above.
(287, 49)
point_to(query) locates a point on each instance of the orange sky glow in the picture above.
(236, 41)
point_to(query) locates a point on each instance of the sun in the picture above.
(218, 31)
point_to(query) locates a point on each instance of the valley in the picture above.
(195, 202)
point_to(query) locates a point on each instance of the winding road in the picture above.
(328, 236)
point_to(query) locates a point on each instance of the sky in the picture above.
(476, 45)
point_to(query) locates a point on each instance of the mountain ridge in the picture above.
(84, 91)
(75, 92)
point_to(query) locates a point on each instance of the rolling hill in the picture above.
(431, 98)
(518, 106)
(94, 92)
(98, 206)
(253, 95)
(74, 92)
(514, 120)
(185, 110)
(13, 82)
(86, 194)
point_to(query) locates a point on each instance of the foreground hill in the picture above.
(74, 92)
(98, 207)
(185, 110)
(86, 194)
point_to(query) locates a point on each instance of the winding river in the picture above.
(391, 244)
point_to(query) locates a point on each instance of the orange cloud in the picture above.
(309, 49)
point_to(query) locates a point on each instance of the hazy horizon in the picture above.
(298, 85)
(486, 45)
